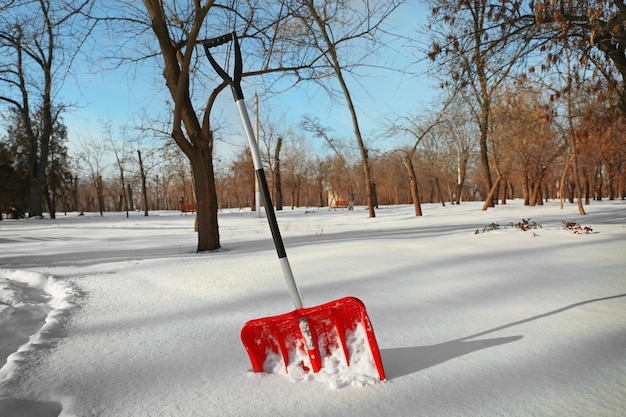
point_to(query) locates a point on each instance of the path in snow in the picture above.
(23, 311)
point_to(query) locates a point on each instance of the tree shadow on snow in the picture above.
(405, 361)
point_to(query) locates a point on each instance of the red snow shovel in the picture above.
(335, 332)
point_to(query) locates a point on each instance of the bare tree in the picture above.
(333, 24)
(144, 189)
(340, 164)
(479, 48)
(572, 134)
(118, 148)
(295, 171)
(416, 129)
(524, 130)
(271, 135)
(177, 29)
(93, 164)
(459, 135)
(35, 59)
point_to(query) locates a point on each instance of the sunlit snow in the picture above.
(109, 316)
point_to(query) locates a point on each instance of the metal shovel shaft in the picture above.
(235, 84)
(269, 208)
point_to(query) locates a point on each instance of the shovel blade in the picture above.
(308, 337)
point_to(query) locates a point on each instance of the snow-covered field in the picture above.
(495, 323)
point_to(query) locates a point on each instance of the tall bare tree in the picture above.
(177, 29)
(334, 24)
(479, 43)
(37, 41)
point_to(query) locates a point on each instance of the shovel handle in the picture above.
(235, 83)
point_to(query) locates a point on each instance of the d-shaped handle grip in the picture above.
(235, 80)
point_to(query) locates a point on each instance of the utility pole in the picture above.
(257, 192)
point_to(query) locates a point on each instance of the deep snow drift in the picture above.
(472, 315)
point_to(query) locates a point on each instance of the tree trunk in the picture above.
(492, 192)
(461, 173)
(206, 199)
(320, 185)
(611, 185)
(505, 191)
(562, 184)
(129, 192)
(587, 190)
(123, 199)
(50, 197)
(483, 118)
(484, 159)
(99, 194)
(526, 189)
(440, 192)
(599, 184)
(536, 196)
(144, 189)
(408, 164)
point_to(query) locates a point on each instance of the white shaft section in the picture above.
(291, 283)
(254, 147)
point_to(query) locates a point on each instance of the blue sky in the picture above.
(124, 95)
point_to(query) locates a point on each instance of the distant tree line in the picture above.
(527, 142)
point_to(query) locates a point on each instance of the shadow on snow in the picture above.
(400, 362)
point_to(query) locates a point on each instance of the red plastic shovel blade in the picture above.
(340, 328)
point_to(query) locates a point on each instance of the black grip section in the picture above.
(220, 40)
(271, 215)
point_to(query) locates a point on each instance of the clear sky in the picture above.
(124, 96)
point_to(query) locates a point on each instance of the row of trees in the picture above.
(436, 161)
(534, 101)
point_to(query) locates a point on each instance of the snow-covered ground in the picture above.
(495, 323)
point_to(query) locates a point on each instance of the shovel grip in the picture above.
(235, 80)
(220, 40)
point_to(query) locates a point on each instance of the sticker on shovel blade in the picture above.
(306, 333)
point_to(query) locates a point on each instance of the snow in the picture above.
(116, 316)
(335, 371)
